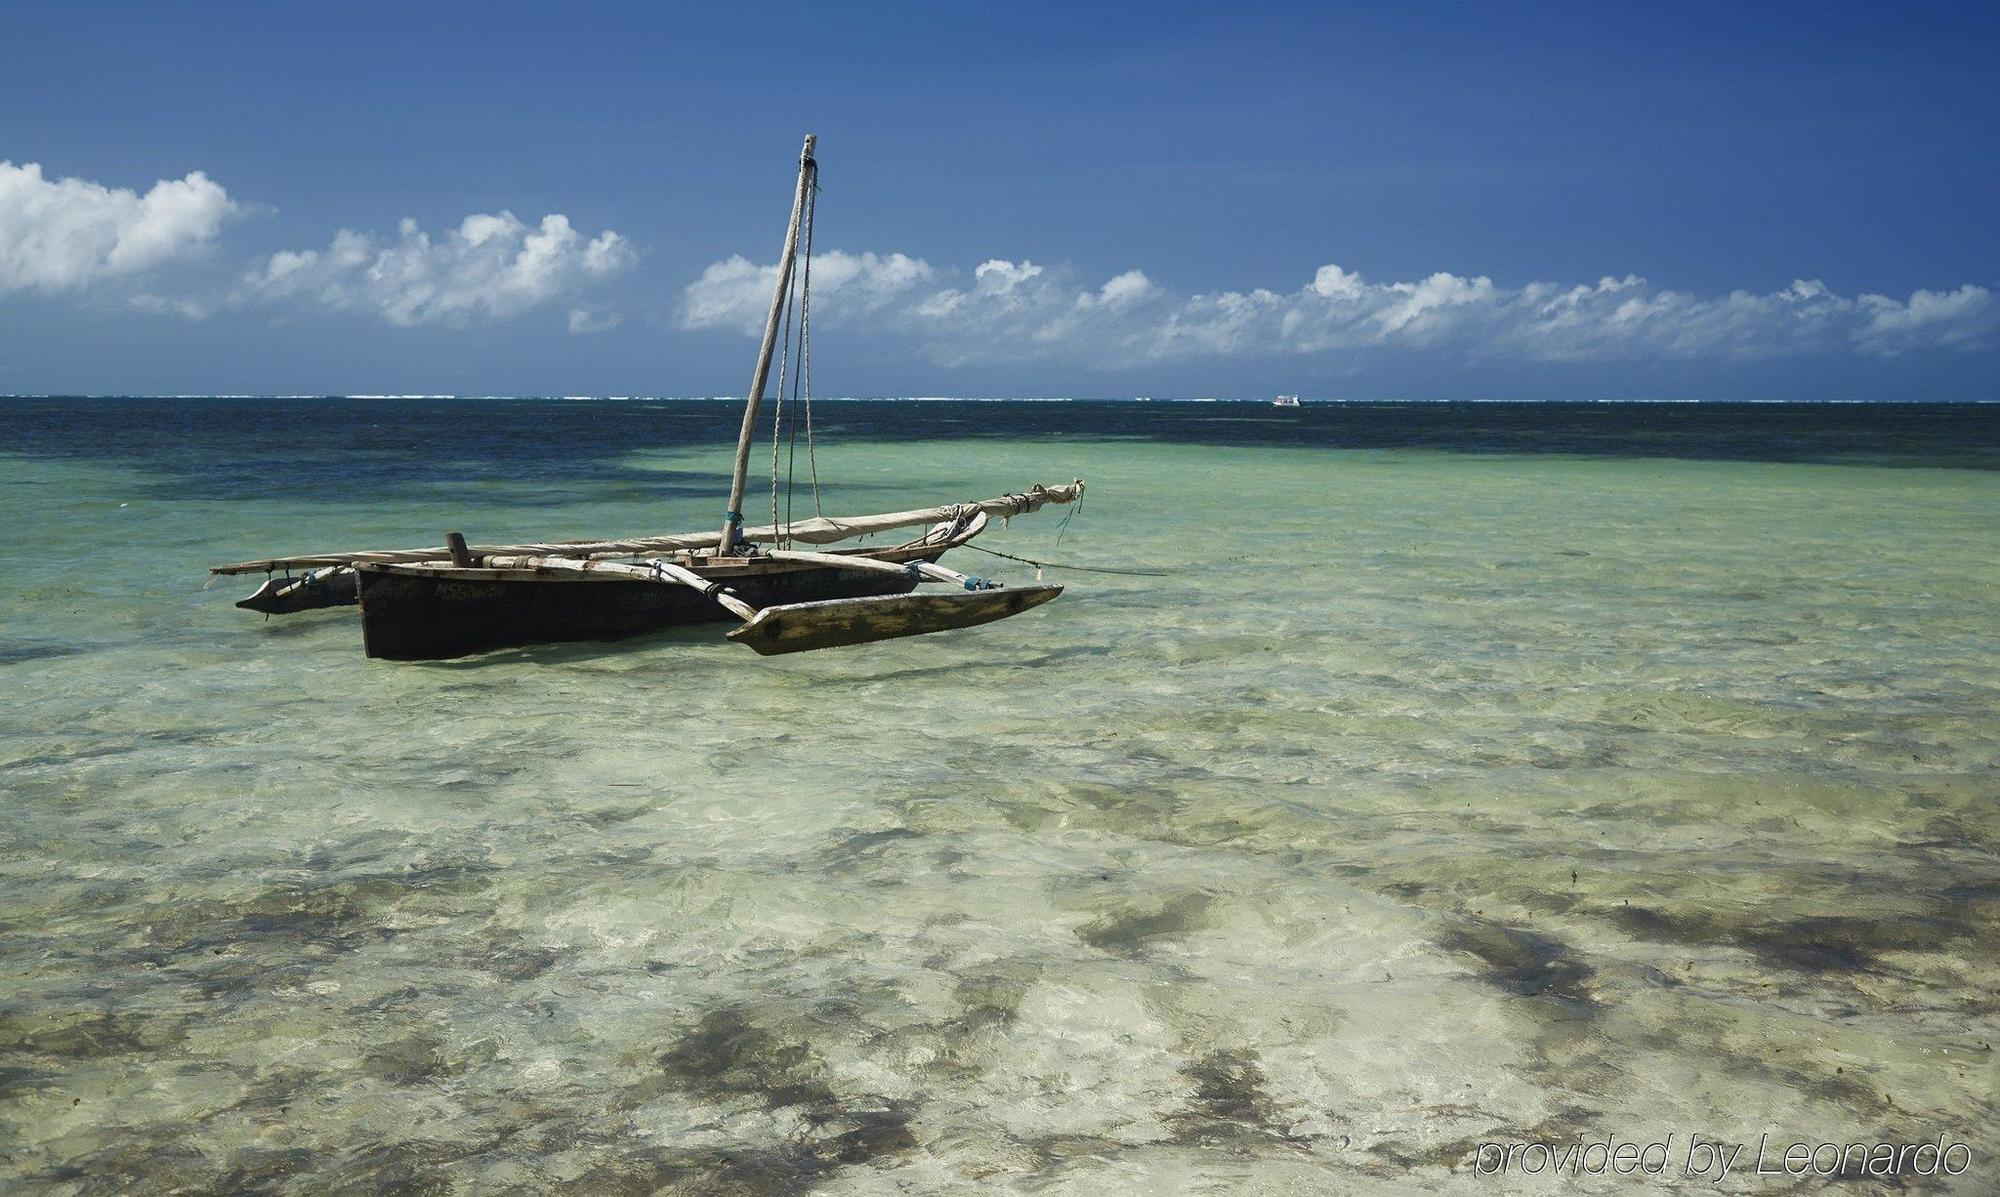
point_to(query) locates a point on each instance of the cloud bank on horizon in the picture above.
(67, 234)
(1008, 310)
(75, 237)
(491, 267)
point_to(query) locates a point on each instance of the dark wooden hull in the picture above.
(309, 592)
(830, 623)
(409, 617)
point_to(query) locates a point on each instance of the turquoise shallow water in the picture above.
(1434, 798)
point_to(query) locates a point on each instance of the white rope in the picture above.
(778, 404)
(805, 344)
(798, 295)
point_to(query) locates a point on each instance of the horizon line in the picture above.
(1189, 399)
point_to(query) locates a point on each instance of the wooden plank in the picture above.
(931, 570)
(517, 566)
(714, 590)
(835, 561)
(818, 530)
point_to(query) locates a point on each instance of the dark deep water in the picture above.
(224, 448)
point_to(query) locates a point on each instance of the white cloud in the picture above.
(491, 267)
(735, 293)
(1011, 310)
(75, 236)
(1122, 291)
(1962, 319)
(66, 234)
(594, 319)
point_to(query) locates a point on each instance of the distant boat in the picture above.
(1285, 401)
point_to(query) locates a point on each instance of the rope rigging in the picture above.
(778, 403)
(798, 296)
(795, 385)
(1089, 569)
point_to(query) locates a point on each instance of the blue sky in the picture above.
(1423, 201)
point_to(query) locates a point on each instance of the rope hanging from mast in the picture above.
(728, 540)
(778, 407)
(805, 363)
(798, 296)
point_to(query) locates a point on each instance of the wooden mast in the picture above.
(733, 518)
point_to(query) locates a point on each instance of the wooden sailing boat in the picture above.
(457, 599)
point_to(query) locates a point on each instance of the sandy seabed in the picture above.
(1430, 801)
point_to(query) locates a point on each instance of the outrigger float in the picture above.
(457, 599)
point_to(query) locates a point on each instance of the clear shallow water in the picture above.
(1517, 778)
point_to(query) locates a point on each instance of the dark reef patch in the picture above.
(324, 916)
(14, 652)
(412, 1060)
(1230, 1106)
(1128, 928)
(16, 1082)
(263, 1170)
(410, 1168)
(863, 848)
(1525, 963)
(728, 1054)
(135, 1164)
(86, 1034)
(792, 1167)
(1816, 944)
(519, 962)
(1711, 1032)
(744, 1055)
